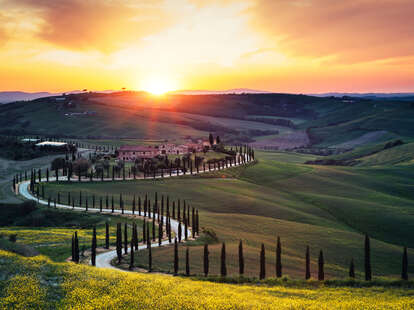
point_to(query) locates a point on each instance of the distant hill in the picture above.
(221, 92)
(11, 96)
(366, 95)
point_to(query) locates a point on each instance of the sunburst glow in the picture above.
(158, 85)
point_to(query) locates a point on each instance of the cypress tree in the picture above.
(262, 263)
(160, 233)
(131, 260)
(112, 204)
(187, 262)
(148, 237)
(352, 269)
(107, 201)
(179, 211)
(144, 231)
(307, 273)
(106, 235)
(125, 238)
(162, 208)
(86, 207)
(133, 205)
(73, 248)
(321, 273)
(100, 204)
(76, 247)
(149, 256)
(179, 232)
(93, 201)
(169, 230)
(69, 203)
(241, 258)
(93, 251)
(173, 210)
(136, 236)
(185, 230)
(139, 205)
(223, 268)
(367, 260)
(119, 242)
(404, 271)
(197, 224)
(205, 260)
(153, 229)
(278, 258)
(121, 203)
(175, 257)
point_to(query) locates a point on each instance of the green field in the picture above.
(328, 208)
(49, 231)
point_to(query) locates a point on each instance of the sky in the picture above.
(296, 46)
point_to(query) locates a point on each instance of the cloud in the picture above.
(357, 30)
(3, 34)
(95, 24)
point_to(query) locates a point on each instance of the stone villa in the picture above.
(132, 152)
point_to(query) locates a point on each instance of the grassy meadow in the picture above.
(325, 207)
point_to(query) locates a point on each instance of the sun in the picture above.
(158, 85)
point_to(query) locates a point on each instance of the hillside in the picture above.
(327, 208)
(267, 119)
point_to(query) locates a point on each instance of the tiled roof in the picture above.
(136, 148)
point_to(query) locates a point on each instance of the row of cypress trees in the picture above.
(122, 244)
(278, 262)
(246, 155)
(164, 210)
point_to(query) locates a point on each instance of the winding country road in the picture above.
(103, 260)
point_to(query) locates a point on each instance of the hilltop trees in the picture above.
(211, 139)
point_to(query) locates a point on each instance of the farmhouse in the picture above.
(132, 152)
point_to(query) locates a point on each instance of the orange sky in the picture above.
(300, 46)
